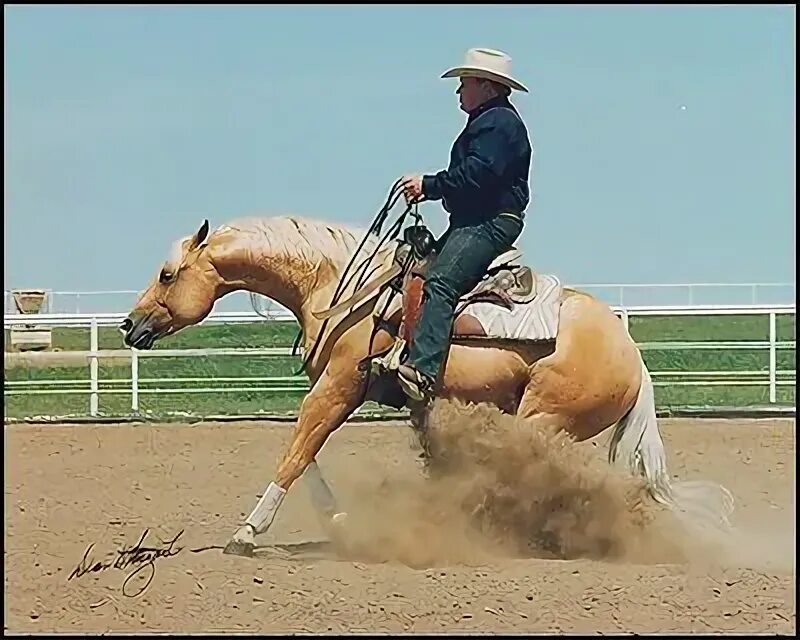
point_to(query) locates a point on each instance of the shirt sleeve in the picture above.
(491, 150)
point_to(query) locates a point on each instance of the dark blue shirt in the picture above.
(489, 166)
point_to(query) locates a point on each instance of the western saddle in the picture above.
(506, 283)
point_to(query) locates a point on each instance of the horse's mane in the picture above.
(311, 239)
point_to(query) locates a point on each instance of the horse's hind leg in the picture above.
(419, 425)
(536, 405)
(322, 497)
(562, 395)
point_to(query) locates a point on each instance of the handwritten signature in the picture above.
(143, 558)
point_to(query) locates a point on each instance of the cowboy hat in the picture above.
(489, 64)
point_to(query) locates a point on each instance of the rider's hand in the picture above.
(412, 188)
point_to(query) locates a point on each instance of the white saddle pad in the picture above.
(537, 320)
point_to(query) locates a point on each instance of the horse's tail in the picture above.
(636, 445)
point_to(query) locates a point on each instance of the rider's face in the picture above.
(473, 92)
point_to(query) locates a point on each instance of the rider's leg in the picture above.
(462, 261)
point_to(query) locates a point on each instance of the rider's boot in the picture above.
(415, 384)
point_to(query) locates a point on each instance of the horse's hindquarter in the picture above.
(592, 379)
(485, 374)
(586, 384)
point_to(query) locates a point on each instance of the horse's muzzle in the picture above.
(137, 334)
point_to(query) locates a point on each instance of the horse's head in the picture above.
(182, 294)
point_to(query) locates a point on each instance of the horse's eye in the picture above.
(165, 276)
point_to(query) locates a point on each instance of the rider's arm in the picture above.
(493, 147)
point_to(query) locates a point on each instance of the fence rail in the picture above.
(113, 319)
(135, 386)
(753, 293)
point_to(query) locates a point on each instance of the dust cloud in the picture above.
(499, 488)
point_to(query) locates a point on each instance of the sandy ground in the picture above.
(67, 487)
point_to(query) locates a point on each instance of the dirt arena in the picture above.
(67, 487)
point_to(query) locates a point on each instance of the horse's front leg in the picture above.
(333, 398)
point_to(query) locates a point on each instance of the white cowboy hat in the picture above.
(489, 64)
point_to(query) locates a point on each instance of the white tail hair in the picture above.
(636, 446)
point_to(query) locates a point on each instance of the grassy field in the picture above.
(264, 393)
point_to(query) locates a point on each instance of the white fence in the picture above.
(661, 294)
(773, 378)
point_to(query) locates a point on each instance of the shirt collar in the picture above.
(497, 101)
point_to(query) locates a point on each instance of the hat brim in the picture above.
(479, 72)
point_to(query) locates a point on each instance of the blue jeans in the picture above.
(464, 255)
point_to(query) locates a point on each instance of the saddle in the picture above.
(506, 283)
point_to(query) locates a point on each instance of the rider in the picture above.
(485, 191)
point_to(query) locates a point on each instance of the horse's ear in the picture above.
(200, 237)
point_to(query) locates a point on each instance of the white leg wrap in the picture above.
(261, 517)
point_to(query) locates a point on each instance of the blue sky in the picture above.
(125, 127)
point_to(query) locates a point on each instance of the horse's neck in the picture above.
(299, 283)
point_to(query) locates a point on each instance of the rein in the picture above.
(361, 273)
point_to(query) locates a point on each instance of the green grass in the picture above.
(272, 334)
(267, 334)
(710, 328)
(282, 400)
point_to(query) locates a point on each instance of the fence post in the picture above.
(772, 358)
(134, 381)
(93, 368)
(625, 320)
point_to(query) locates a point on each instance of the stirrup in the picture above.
(415, 385)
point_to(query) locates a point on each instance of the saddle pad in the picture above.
(536, 320)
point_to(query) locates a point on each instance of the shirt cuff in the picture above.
(430, 188)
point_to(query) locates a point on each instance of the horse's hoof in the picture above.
(335, 523)
(236, 548)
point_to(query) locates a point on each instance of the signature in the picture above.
(140, 557)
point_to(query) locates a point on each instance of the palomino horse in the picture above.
(588, 379)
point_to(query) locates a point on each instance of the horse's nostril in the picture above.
(126, 325)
